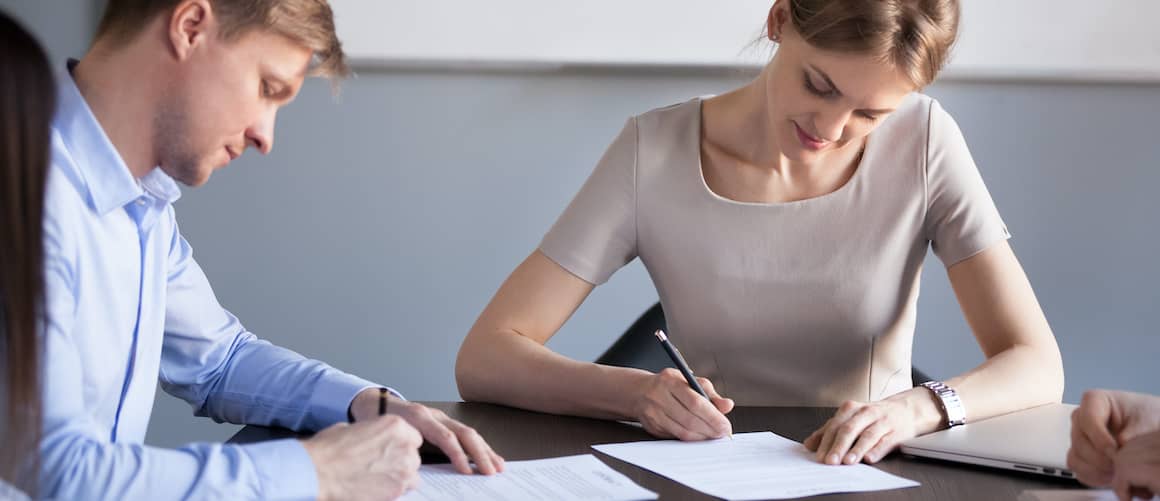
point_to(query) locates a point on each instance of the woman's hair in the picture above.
(914, 36)
(27, 103)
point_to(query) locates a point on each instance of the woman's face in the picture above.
(822, 101)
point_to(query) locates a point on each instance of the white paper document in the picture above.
(751, 466)
(571, 478)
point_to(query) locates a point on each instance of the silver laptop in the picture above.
(1034, 441)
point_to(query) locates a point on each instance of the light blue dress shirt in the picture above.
(127, 306)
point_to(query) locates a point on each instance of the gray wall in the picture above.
(383, 221)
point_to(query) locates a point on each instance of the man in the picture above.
(1115, 441)
(172, 90)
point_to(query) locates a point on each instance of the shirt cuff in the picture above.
(333, 397)
(284, 469)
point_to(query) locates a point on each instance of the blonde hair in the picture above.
(308, 22)
(915, 36)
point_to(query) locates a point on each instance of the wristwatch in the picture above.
(949, 401)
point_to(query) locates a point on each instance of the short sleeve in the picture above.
(961, 218)
(596, 234)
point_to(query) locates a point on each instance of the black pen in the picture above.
(382, 401)
(682, 366)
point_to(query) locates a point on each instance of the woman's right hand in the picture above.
(668, 408)
(1104, 422)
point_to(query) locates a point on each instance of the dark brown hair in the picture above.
(27, 102)
(915, 36)
(307, 22)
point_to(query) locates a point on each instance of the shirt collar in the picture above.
(106, 177)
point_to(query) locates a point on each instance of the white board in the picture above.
(1115, 40)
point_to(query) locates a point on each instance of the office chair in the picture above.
(638, 348)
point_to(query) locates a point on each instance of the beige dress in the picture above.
(809, 302)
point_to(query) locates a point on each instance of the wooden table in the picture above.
(517, 435)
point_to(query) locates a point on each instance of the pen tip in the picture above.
(660, 334)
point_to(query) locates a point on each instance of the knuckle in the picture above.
(848, 406)
(1073, 461)
(1091, 395)
(414, 438)
(445, 435)
(860, 448)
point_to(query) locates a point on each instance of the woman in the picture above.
(27, 101)
(784, 225)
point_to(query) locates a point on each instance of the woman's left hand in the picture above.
(868, 431)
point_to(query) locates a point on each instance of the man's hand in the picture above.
(1138, 468)
(461, 443)
(377, 459)
(1104, 422)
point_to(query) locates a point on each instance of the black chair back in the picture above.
(638, 348)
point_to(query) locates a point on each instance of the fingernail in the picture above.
(851, 458)
(833, 459)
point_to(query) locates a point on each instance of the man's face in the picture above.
(224, 99)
